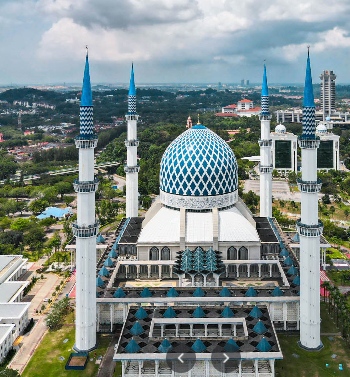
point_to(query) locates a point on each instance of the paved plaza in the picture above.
(280, 189)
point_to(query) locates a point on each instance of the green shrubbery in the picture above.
(55, 319)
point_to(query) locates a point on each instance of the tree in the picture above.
(63, 188)
(37, 206)
(326, 199)
(35, 237)
(21, 224)
(9, 373)
(55, 242)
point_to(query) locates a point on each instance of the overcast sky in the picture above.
(43, 41)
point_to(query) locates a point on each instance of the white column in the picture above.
(131, 169)
(265, 169)
(310, 320)
(156, 368)
(111, 311)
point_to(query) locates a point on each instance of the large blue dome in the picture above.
(198, 164)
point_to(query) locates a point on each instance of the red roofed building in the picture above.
(244, 107)
(229, 109)
(244, 104)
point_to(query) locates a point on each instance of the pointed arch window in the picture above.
(154, 253)
(232, 253)
(243, 253)
(165, 253)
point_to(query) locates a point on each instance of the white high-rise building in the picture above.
(327, 95)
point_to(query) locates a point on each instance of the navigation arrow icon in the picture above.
(180, 358)
(226, 358)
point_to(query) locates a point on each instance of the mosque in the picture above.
(199, 285)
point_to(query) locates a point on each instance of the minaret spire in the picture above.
(132, 168)
(86, 95)
(265, 143)
(86, 227)
(308, 226)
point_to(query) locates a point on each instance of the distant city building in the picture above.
(284, 150)
(295, 116)
(244, 82)
(327, 96)
(244, 107)
(328, 151)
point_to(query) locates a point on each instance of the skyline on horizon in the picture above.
(43, 41)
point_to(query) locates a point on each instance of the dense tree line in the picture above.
(7, 165)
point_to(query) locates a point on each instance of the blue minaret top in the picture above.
(86, 95)
(87, 130)
(132, 94)
(132, 90)
(264, 96)
(309, 123)
(308, 90)
(264, 88)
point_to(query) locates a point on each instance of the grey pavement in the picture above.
(280, 189)
(107, 365)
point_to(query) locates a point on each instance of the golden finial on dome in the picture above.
(198, 120)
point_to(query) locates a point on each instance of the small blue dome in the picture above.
(198, 163)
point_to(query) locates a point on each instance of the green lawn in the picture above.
(300, 363)
(46, 360)
(313, 364)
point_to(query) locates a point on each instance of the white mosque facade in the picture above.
(199, 273)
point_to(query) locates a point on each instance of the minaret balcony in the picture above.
(309, 186)
(309, 144)
(131, 116)
(131, 169)
(132, 143)
(265, 143)
(86, 142)
(309, 230)
(85, 186)
(265, 116)
(85, 231)
(265, 169)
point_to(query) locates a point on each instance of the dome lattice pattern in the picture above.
(198, 163)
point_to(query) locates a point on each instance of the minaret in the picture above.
(265, 143)
(86, 227)
(309, 227)
(132, 169)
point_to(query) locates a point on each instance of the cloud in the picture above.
(186, 39)
(122, 14)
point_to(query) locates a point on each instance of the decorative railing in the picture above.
(131, 169)
(85, 231)
(265, 169)
(131, 143)
(265, 143)
(309, 186)
(309, 230)
(85, 186)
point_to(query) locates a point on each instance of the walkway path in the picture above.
(41, 290)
